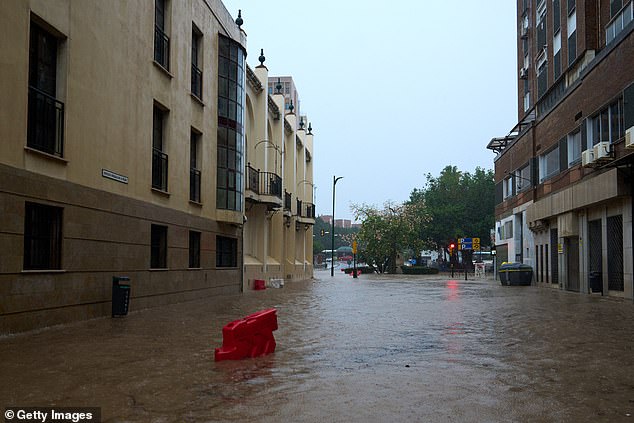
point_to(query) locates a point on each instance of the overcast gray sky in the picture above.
(394, 89)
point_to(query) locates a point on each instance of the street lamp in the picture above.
(332, 251)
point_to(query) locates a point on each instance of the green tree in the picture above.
(387, 232)
(459, 204)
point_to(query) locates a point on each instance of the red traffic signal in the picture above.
(452, 246)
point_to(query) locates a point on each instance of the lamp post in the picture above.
(332, 251)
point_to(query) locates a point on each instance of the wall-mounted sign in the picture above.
(114, 176)
(560, 248)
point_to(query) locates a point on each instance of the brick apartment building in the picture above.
(564, 175)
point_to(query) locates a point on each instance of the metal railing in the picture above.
(161, 48)
(271, 184)
(287, 200)
(46, 123)
(197, 81)
(194, 185)
(309, 210)
(159, 169)
(264, 183)
(253, 179)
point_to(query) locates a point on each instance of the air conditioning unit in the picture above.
(523, 73)
(629, 138)
(587, 158)
(602, 152)
(524, 31)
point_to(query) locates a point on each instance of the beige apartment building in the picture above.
(280, 210)
(126, 128)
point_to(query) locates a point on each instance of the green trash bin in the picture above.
(120, 295)
(516, 274)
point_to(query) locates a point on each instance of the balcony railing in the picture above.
(253, 179)
(309, 210)
(270, 184)
(161, 48)
(159, 169)
(287, 200)
(264, 183)
(197, 82)
(620, 21)
(194, 185)
(46, 123)
(305, 209)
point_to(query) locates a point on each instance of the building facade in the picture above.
(564, 172)
(280, 209)
(124, 153)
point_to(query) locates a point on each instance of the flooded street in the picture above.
(374, 349)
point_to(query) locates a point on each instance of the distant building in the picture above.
(339, 223)
(563, 174)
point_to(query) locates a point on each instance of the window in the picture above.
(161, 40)
(159, 158)
(523, 178)
(549, 164)
(540, 26)
(615, 7)
(230, 125)
(194, 168)
(508, 187)
(556, 15)
(45, 130)
(158, 253)
(197, 74)
(542, 79)
(572, 37)
(574, 148)
(621, 18)
(42, 237)
(226, 251)
(557, 55)
(194, 249)
(607, 125)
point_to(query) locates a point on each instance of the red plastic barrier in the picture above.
(248, 337)
(259, 284)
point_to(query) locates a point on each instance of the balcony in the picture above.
(46, 123)
(263, 187)
(161, 48)
(159, 170)
(305, 213)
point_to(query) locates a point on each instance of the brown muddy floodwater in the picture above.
(375, 349)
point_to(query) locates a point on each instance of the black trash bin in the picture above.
(120, 295)
(517, 274)
(595, 282)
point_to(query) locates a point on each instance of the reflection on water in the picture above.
(372, 349)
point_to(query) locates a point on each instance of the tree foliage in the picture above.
(387, 232)
(459, 204)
